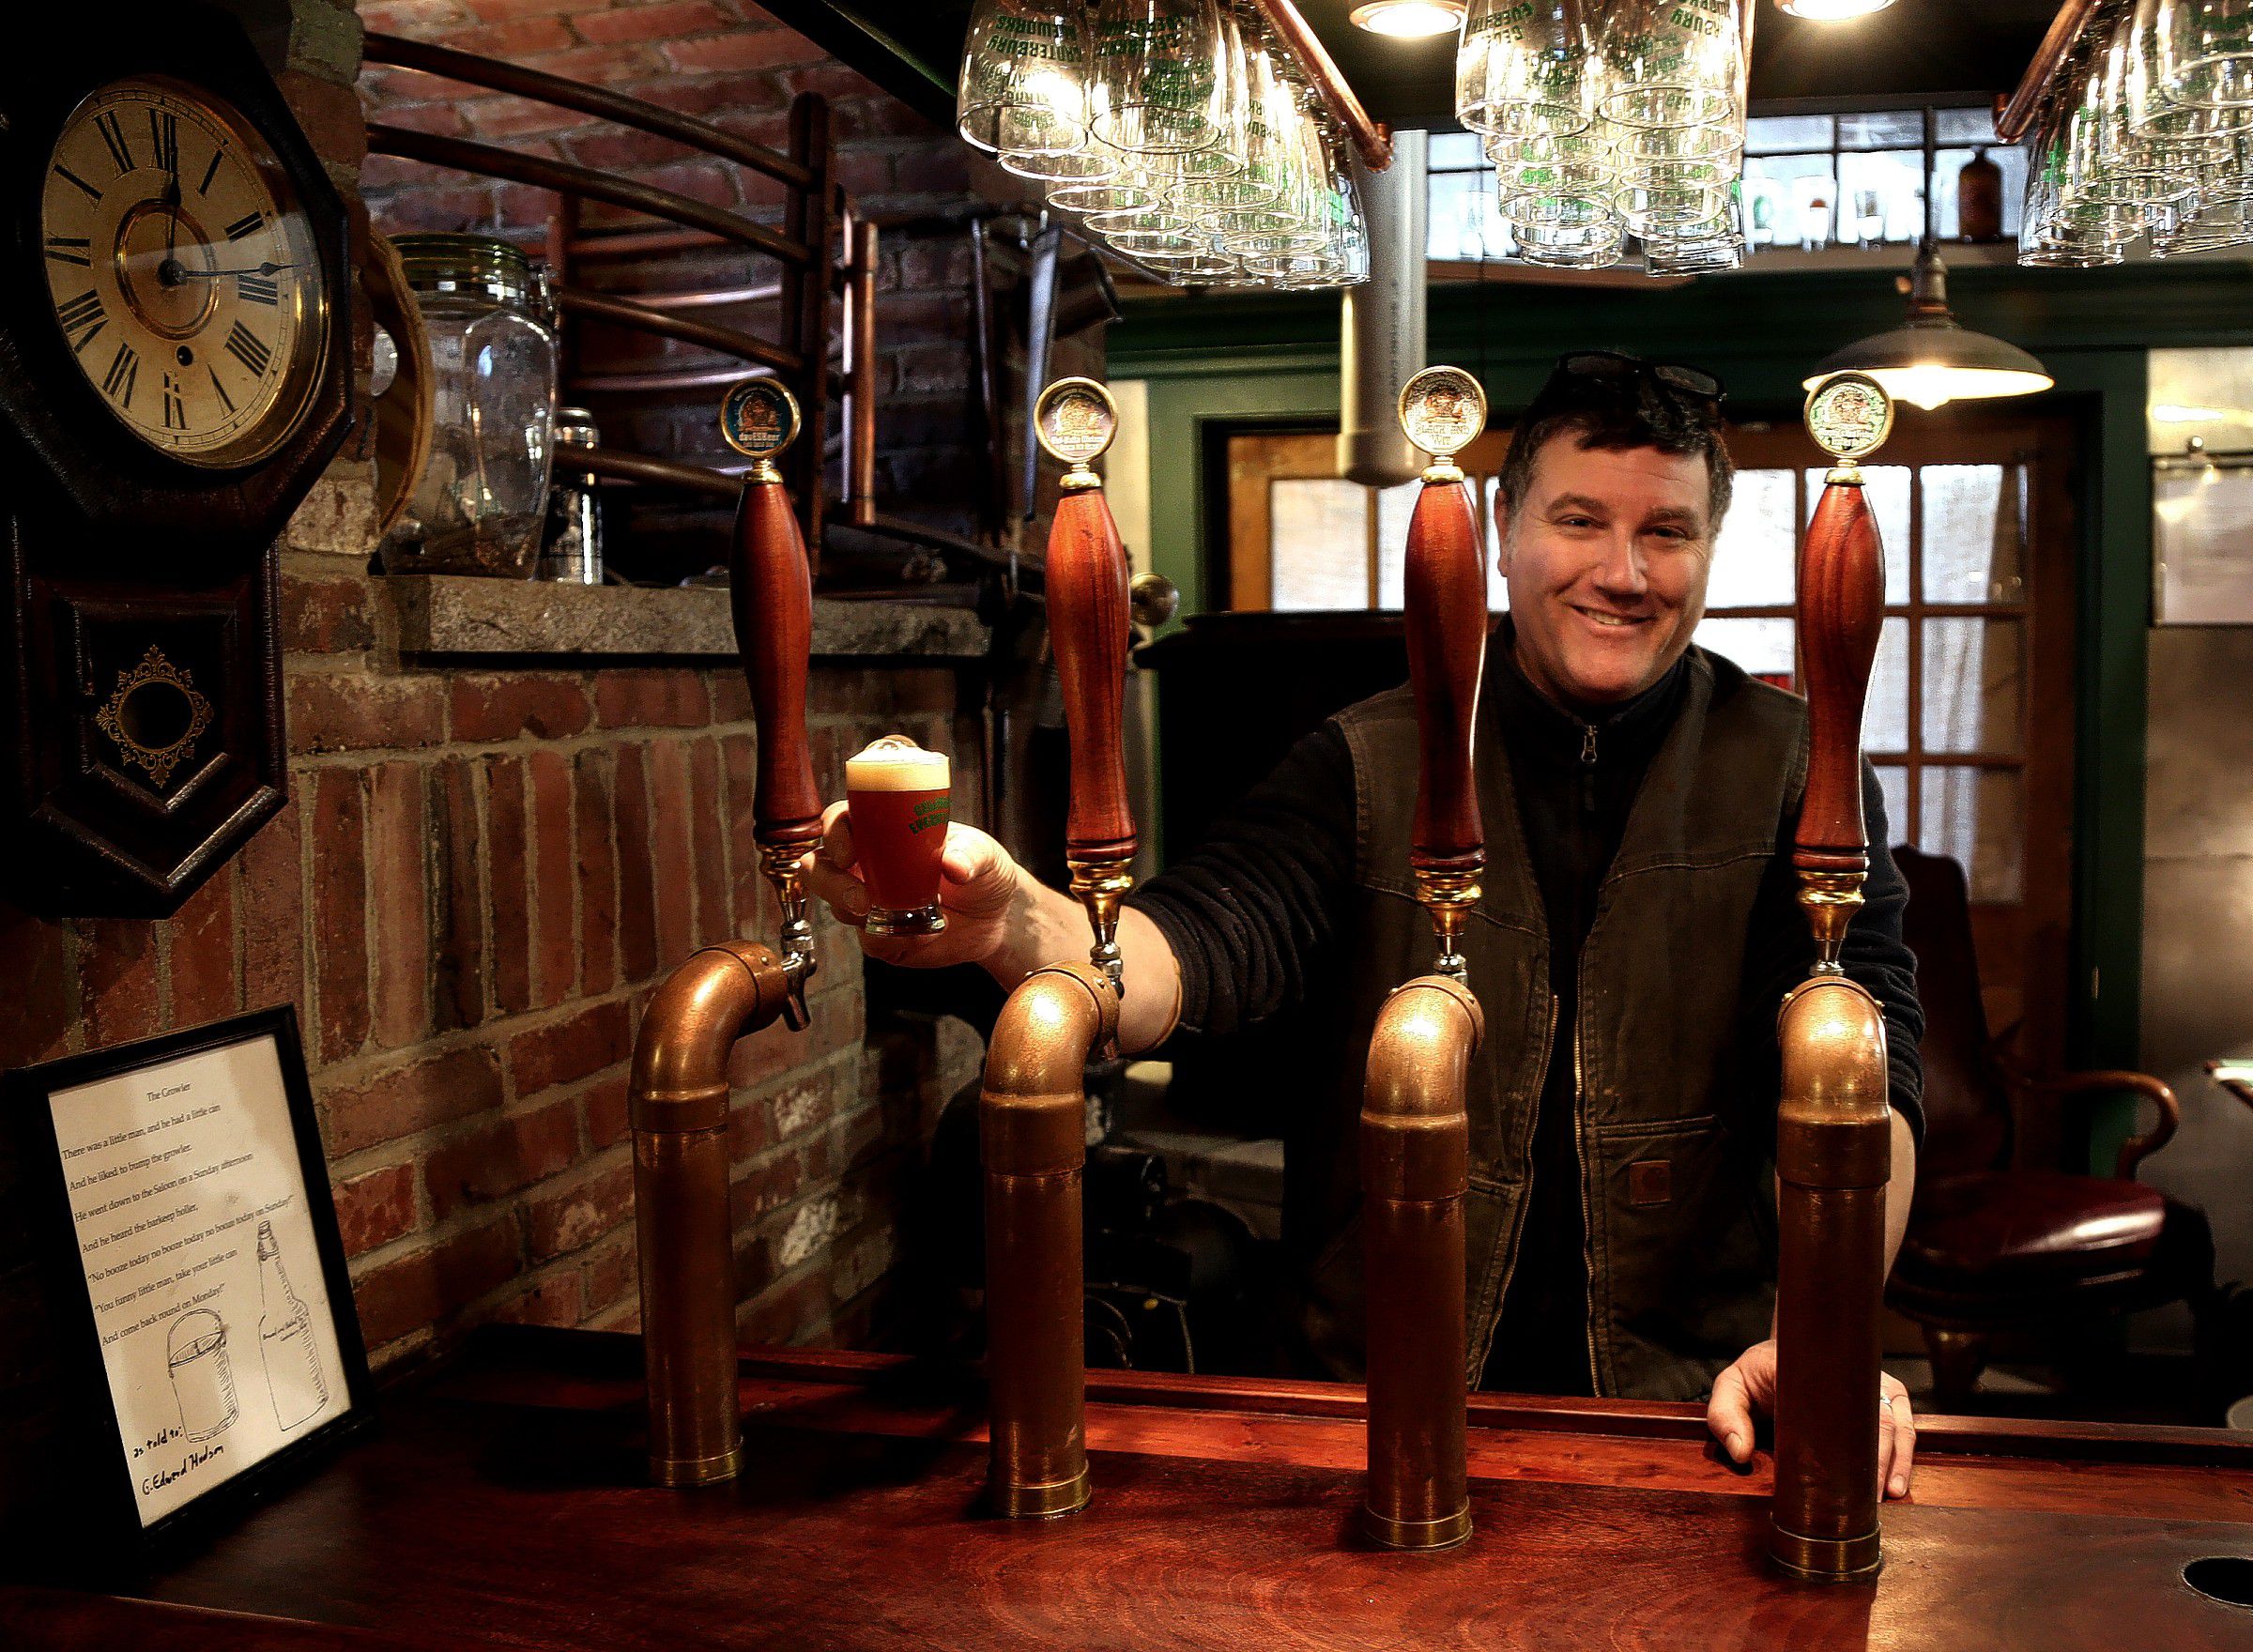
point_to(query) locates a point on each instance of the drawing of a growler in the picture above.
(203, 1381)
(293, 1364)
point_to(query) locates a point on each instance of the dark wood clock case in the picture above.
(140, 665)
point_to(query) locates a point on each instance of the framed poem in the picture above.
(2203, 539)
(206, 1342)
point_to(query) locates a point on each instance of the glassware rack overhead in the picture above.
(2138, 117)
(1615, 131)
(1206, 140)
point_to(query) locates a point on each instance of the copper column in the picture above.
(1033, 1106)
(1415, 1136)
(1834, 1128)
(1416, 1145)
(677, 1093)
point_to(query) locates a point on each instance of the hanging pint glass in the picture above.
(897, 796)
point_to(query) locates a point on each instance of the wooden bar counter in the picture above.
(499, 1504)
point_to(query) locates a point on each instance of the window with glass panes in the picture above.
(1968, 721)
(1945, 724)
(1810, 181)
(1813, 181)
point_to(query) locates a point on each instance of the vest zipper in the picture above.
(1579, 1110)
(1587, 1225)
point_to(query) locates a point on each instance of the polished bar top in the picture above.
(499, 1503)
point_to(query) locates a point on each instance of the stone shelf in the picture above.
(440, 616)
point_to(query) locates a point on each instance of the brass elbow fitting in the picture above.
(678, 1102)
(1033, 1141)
(1415, 1144)
(1833, 1159)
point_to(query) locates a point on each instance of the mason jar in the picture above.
(481, 506)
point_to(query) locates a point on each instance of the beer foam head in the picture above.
(896, 763)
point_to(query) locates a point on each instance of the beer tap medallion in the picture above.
(1443, 410)
(759, 417)
(1076, 420)
(1849, 415)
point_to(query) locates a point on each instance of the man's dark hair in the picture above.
(1617, 411)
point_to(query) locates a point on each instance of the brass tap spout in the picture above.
(678, 1102)
(1833, 1158)
(1033, 1141)
(1415, 1172)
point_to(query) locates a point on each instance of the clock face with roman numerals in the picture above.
(183, 274)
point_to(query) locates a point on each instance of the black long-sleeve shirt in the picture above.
(1252, 917)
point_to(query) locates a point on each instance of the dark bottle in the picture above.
(1979, 199)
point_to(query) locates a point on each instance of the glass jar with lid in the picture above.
(481, 506)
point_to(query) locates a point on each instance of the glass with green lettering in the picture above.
(896, 795)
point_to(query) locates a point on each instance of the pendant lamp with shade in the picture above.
(1933, 358)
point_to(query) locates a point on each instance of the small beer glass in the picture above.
(1522, 69)
(1673, 63)
(896, 793)
(1157, 72)
(1023, 85)
(2203, 51)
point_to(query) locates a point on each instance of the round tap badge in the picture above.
(1849, 415)
(1074, 419)
(1443, 410)
(759, 417)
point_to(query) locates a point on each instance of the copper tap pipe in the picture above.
(678, 1102)
(860, 375)
(2015, 114)
(1415, 1144)
(1372, 140)
(1833, 1158)
(1033, 1141)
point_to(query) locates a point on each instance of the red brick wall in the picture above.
(728, 62)
(478, 879)
(483, 873)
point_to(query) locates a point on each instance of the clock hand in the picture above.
(171, 203)
(268, 269)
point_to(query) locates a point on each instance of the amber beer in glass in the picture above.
(896, 793)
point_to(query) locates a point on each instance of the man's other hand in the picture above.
(1749, 1387)
(977, 883)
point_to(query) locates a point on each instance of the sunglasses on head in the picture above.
(1667, 377)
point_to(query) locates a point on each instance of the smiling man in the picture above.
(1634, 939)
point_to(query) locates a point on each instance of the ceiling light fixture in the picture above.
(1415, 20)
(1829, 10)
(1935, 360)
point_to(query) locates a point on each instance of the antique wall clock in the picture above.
(174, 373)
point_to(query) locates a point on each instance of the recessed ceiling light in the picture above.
(1830, 11)
(1414, 20)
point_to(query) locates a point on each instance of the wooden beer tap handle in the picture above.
(1446, 618)
(1841, 608)
(1088, 629)
(1442, 409)
(771, 596)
